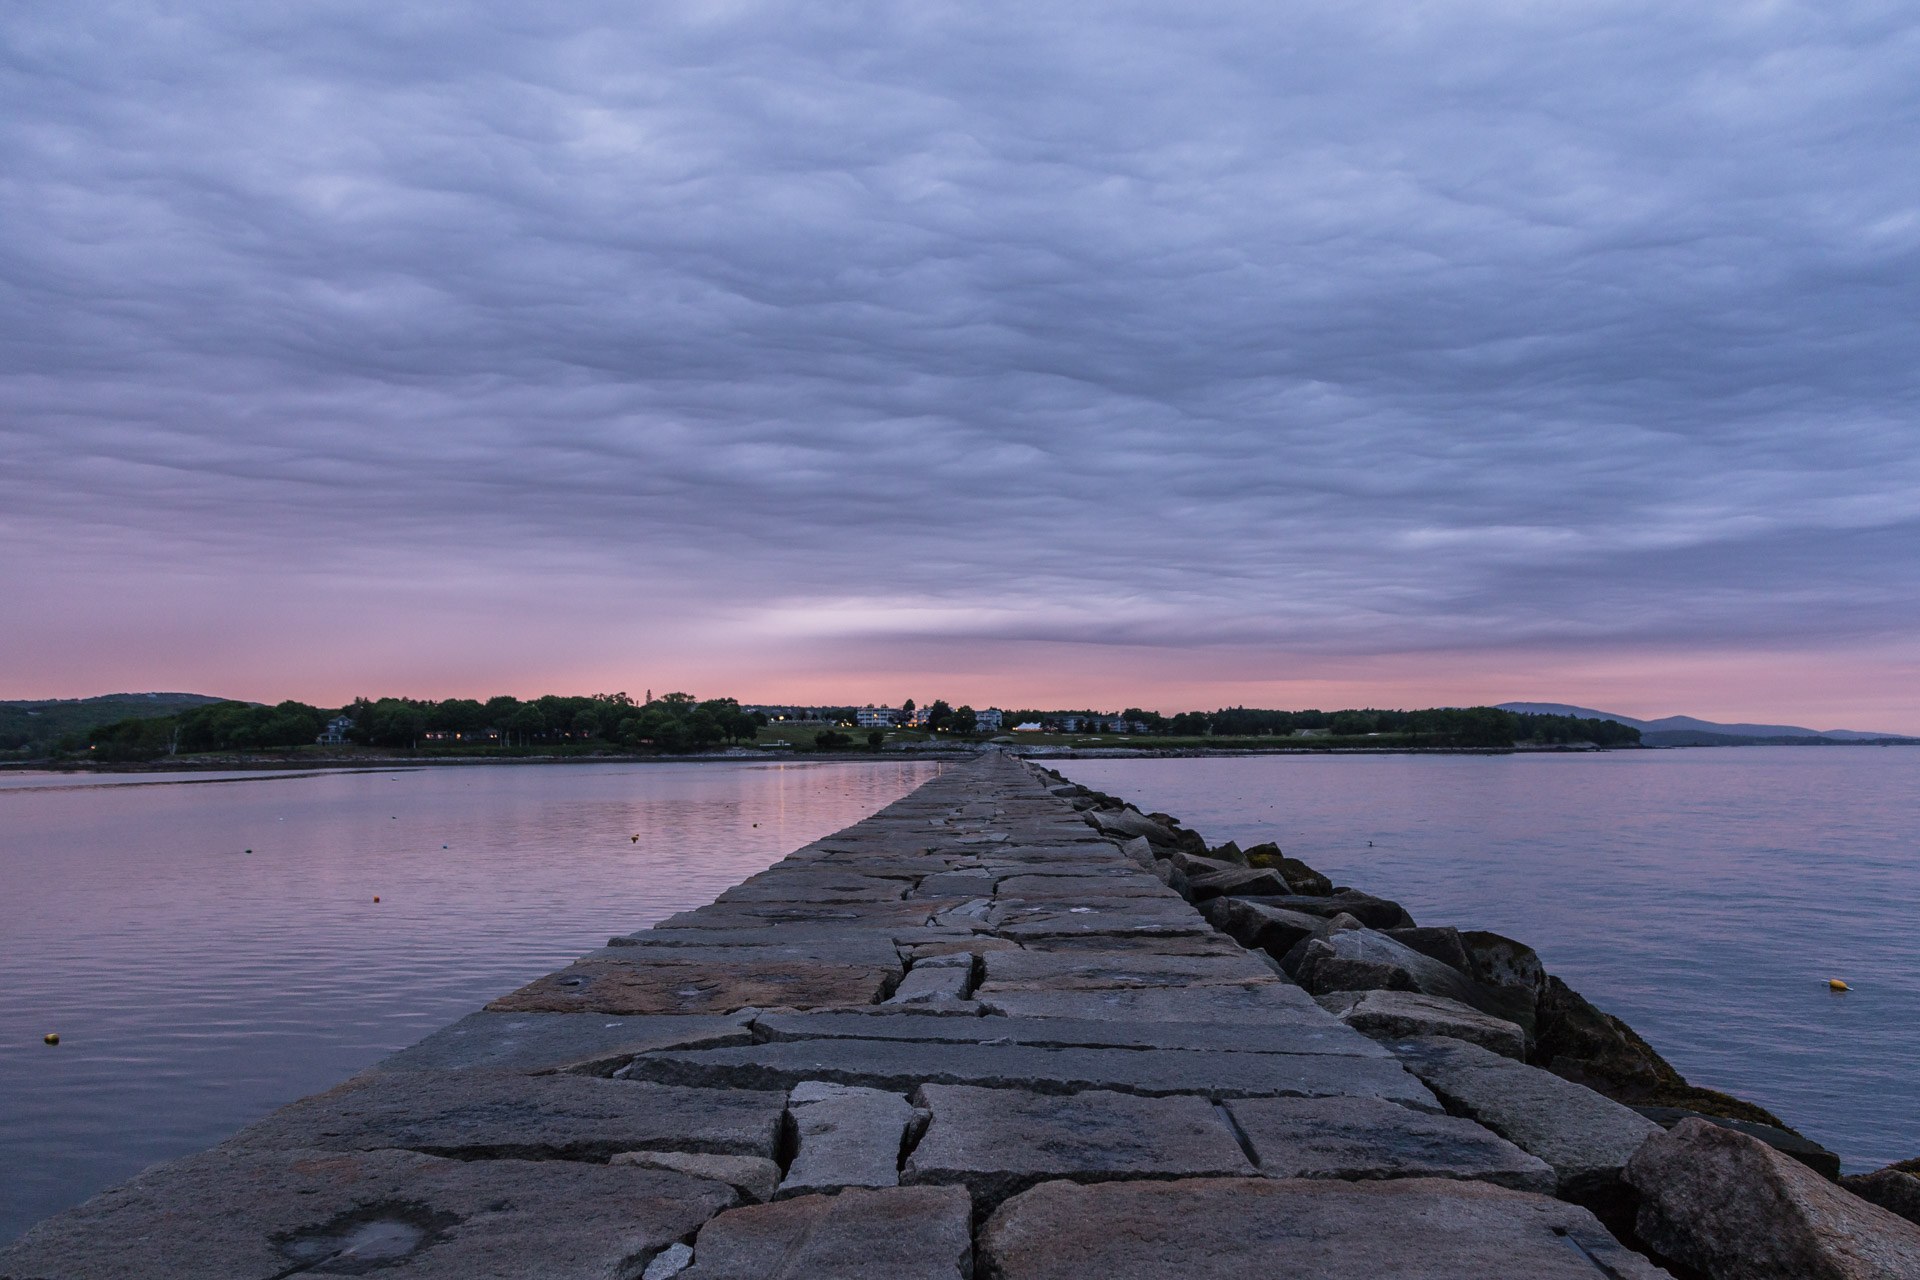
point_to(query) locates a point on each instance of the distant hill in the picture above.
(1686, 731)
(28, 727)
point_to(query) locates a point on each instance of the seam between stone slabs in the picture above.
(1239, 1135)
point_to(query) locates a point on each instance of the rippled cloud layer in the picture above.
(765, 342)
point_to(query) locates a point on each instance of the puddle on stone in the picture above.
(364, 1240)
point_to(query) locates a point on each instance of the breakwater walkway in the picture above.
(977, 1034)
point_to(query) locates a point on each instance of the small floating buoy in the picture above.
(376, 897)
(1834, 984)
(51, 1038)
(635, 839)
(249, 851)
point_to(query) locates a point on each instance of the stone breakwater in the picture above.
(987, 1032)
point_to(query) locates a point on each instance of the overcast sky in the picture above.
(1159, 354)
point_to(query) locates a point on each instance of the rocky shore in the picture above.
(1009, 1027)
(1367, 962)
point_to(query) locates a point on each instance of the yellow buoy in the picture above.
(51, 1038)
(1834, 984)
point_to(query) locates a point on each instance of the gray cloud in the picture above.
(1376, 327)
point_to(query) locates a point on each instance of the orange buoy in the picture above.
(1834, 984)
(376, 897)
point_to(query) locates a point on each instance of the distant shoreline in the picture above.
(376, 763)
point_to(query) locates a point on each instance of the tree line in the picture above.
(678, 722)
(1433, 726)
(675, 722)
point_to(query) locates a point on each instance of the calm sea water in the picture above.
(1705, 896)
(208, 948)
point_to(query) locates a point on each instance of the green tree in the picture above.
(1351, 723)
(527, 722)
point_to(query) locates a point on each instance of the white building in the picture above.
(988, 720)
(335, 734)
(875, 717)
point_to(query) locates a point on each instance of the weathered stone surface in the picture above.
(1346, 960)
(1436, 942)
(227, 1213)
(931, 981)
(1039, 887)
(1892, 1188)
(753, 1177)
(842, 915)
(1237, 882)
(1085, 970)
(1229, 852)
(841, 943)
(1192, 865)
(1808, 1152)
(978, 944)
(1358, 1138)
(581, 1043)
(1274, 930)
(1180, 944)
(1249, 1003)
(1398, 1015)
(899, 1066)
(1587, 1139)
(619, 987)
(1173, 877)
(1295, 1036)
(781, 885)
(1374, 913)
(998, 1142)
(1591, 1046)
(1052, 860)
(971, 914)
(1234, 1229)
(898, 1233)
(505, 1114)
(1365, 959)
(670, 946)
(1022, 920)
(1129, 823)
(669, 1262)
(1504, 962)
(955, 884)
(849, 1137)
(1736, 1209)
(1303, 878)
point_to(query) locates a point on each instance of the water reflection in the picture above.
(211, 950)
